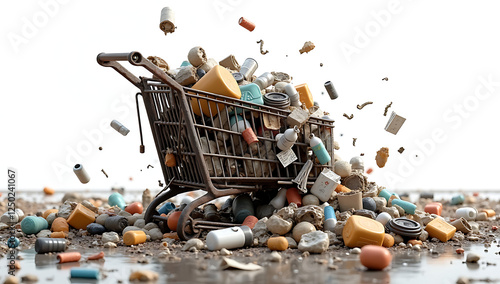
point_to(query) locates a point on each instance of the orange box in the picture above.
(305, 94)
(81, 217)
(48, 212)
(359, 231)
(434, 208)
(440, 229)
(489, 212)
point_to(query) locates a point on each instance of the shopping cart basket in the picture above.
(209, 154)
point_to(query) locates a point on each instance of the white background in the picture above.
(55, 97)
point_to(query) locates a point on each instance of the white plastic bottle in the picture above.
(287, 139)
(279, 200)
(229, 238)
(119, 127)
(319, 150)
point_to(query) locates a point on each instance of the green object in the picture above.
(407, 206)
(250, 93)
(116, 199)
(33, 225)
(387, 194)
(185, 63)
(457, 199)
(88, 273)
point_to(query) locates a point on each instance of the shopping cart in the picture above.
(209, 154)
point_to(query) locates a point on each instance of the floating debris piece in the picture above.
(150, 166)
(382, 156)
(354, 141)
(160, 184)
(394, 124)
(401, 150)
(262, 48)
(360, 107)
(100, 148)
(308, 46)
(321, 65)
(387, 108)
(167, 20)
(102, 170)
(348, 116)
(246, 24)
(385, 79)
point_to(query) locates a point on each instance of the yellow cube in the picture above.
(81, 217)
(305, 94)
(440, 229)
(359, 231)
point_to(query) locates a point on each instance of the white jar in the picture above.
(230, 238)
(468, 213)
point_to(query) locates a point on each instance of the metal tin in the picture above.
(167, 20)
(331, 90)
(44, 245)
(248, 68)
(265, 80)
(81, 173)
(277, 100)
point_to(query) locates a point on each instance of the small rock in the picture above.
(11, 280)
(287, 213)
(463, 280)
(392, 211)
(275, 257)
(472, 257)
(423, 236)
(165, 253)
(150, 226)
(332, 267)
(225, 252)
(110, 237)
(301, 229)
(306, 254)
(101, 219)
(3, 226)
(196, 243)
(50, 218)
(110, 245)
(459, 250)
(44, 234)
(417, 247)
(310, 199)
(380, 203)
(31, 278)
(398, 239)
(155, 234)
(132, 219)
(400, 209)
(355, 251)
(90, 206)
(66, 208)
(140, 223)
(133, 228)
(314, 242)
(473, 238)
(277, 225)
(291, 243)
(124, 213)
(143, 276)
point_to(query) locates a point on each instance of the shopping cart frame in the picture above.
(162, 95)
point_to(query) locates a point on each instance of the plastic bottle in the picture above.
(279, 200)
(330, 218)
(319, 150)
(242, 207)
(287, 139)
(119, 127)
(229, 238)
(167, 207)
(238, 123)
(293, 196)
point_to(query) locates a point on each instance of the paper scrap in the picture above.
(231, 263)
(287, 157)
(394, 124)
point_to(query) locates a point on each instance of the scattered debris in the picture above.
(102, 170)
(387, 108)
(262, 48)
(385, 79)
(143, 276)
(149, 166)
(160, 184)
(360, 107)
(246, 24)
(308, 46)
(382, 156)
(321, 65)
(231, 263)
(348, 116)
(100, 148)
(354, 141)
(472, 257)
(401, 150)
(394, 124)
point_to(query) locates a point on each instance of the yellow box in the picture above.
(218, 81)
(81, 217)
(440, 229)
(305, 94)
(359, 231)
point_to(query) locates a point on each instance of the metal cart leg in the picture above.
(171, 192)
(184, 218)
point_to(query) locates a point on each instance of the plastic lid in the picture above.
(404, 227)
(248, 235)
(238, 77)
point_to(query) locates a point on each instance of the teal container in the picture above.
(387, 194)
(321, 153)
(250, 93)
(13, 242)
(457, 199)
(117, 199)
(33, 225)
(88, 273)
(407, 206)
(185, 63)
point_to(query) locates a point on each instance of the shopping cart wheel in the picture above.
(169, 193)
(185, 230)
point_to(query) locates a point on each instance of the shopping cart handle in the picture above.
(133, 57)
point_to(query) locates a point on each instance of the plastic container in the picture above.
(279, 200)
(81, 217)
(238, 123)
(134, 238)
(330, 219)
(319, 150)
(265, 80)
(218, 81)
(116, 125)
(167, 20)
(353, 199)
(305, 95)
(434, 208)
(229, 238)
(468, 213)
(462, 225)
(44, 245)
(440, 229)
(407, 206)
(250, 93)
(359, 231)
(116, 199)
(33, 225)
(277, 243)
(116, 223)
(242, 207)
(87, 273)
(293, 196)
(249, 136)
(357, 164)
(248, 68)
(293, 94)
(286, 140)
(69, 257)
(489, 212)
(167, 207)
(81, 173)
(331, 90)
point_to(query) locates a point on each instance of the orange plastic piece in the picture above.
(434, 208)
(305, 94)
(173, 219)
(170, 160)
(415, 242)
(81, 217)
(342, 188)
(369, 171)
(48, 190)
(134, 238)
(388, 241)
(68, 257)
(293, 196)
(374, 257)
(48, 212)
(277, 243)
(250, 221)
(58, 235)
(359, 231)
(171, 236)
(96, 256)
(489, 212)
(440, 229)
(218, 81)
(134, 207)
(246, 24)
(60, 225)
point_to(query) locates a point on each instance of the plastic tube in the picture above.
(33, 225)
(88, 273)
(242, 207)
(279, 200)
(330, 218)
(81, 173)
(246, 24)
(331, 90)
(69, 257)
(134, 237)
(229, 238)
(167, 207)
(119, 127)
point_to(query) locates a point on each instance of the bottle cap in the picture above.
(404, 227)
(238, 77)
(248, 235)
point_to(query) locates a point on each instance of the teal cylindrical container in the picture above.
(242, 207)
(88, 273)
(167, 207)
(387, 194)
(319, 150)
(407, 206)
(117, 199)
(13, 242)
(457, 199)
(33, 225)
(330, 218)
